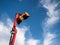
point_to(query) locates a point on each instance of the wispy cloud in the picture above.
(20, 38)
(33, 42)
(52, 13)
(48, 38)
(52, 18)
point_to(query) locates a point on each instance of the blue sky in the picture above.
(41, 28)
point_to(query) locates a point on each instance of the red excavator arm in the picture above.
(13, 32)
(18, 19)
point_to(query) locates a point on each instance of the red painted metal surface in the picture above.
(13, 32)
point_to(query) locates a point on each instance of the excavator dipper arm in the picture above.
(14, 31)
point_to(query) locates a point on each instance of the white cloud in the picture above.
(53, 18)
(4, 42)
(9, 23)
(20, 38)
(4, 32)
(4, 29)
(53, 15)
(48, 38)
(32, 42)
(21, 35)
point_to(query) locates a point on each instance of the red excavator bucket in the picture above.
(26, 15)
(22, 17)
